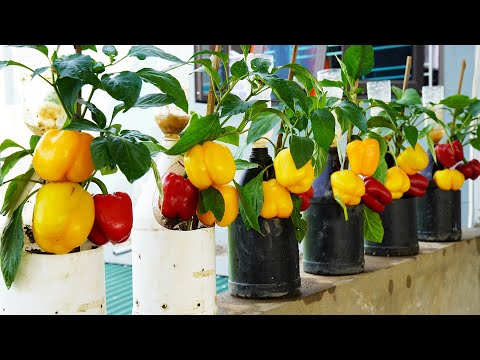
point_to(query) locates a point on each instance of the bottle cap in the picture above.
(171, 120)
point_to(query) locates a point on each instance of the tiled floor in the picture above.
(118, 282)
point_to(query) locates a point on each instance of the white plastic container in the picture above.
(57, 284)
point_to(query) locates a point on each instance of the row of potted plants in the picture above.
(341, 181)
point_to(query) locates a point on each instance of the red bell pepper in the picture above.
(471, 170)
(448, 155)
(376, 194)
(180, 197)
(113, 218)
(306, 197)
(418, 185)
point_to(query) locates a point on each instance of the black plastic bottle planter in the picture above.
(400, 230)
(262, 266)
(332, 245)
(439, 216)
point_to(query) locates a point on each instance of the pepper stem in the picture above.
(101, 185)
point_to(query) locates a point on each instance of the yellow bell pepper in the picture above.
(449, 179)
(348, 186)
(208, 164)
(297, 181)
(363, 156)
(277, 202)
(397, 182)
(64, 155)
(230, 197)
(412, 161)
(63, 216)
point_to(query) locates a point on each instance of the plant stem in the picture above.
(89, 99)
(100, 184)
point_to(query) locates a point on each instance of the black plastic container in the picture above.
(332, 245)
(400, 230)
(439, 212)
(262, 266)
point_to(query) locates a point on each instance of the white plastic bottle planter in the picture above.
(57, 284)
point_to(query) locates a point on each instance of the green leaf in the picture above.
(34, 139)
(260, 65)
(208, 68)
(411, 134)
(154, 149)
(247, 208)
(151, 100)
(68, 89)
(124, 86)
(323, 126)
(166, 83)
(107, 170)
(82, 124)
(386, 108)
(344, 207)
(42, 48)
(10, 161)
(410, 97)
(77, 66)
(141, 52)
(262, 124)
(7, 143)
(425, 130)
(372, 226)
(380, 121)
(381, 172)
(474, 108)
(40, 71)
(397, 92)
(232, 105)
(6, 63)
(137, 135)
(359, 60)
(287, 91)
(97, 116)
(297, 219)
(245, 49)
(331, 83)
(11, 246)
(199, 129)
(133, 159)
(14, 190)
(101, 156)
(304, 76)
(348, 111)
(213, 201)
(239, 69)
(475, 143)
(431, 148)
(230, 135)
(241, 164)
(320, 158)
(109, 50)
(301, 149)
(478, 130)
(89, 47)
(457, 102)
(223, 56)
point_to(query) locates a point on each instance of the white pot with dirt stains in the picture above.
(173, 272)
(57, 284)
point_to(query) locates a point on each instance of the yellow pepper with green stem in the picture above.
(397, 182)
(412, 161)
(348, 186)
(208, 164)
(277, 201)
(449, 179)
(297, 181)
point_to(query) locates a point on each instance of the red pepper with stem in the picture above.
(180, 197)
(418, 186)
(306, 197)
(376, 194)
(113, 216)
(471, 169)
(448, 155)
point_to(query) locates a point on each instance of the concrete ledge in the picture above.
(444, 278)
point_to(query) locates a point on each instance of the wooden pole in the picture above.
(211, 91)
(462, 72)
(407, 73)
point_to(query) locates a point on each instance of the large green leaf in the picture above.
(232, 105)
(239, 69)
(262, 124)
(372, 226)
(166, 83)
(323, 126)
(101, 156)
(474, 108)
(247, 208)
(14, 190)
(208, 68)
(124, 86)
(68, 89)
(199, 129)
(6, 63)
(456, 102)
(7, 143)
(410, 97)
(298, 221)
(397, 91)
(212, 200)
(245, 49)
(230, 135)
(146, 102)
(359, 60)
(109, 50)
(42, 48)
(287, 91)
(303, 75)
(386, 107)
(411, 134)
(97, 115)
(10, 161)
(141, 52)
(82, 124)
(133, 158)
(223, 56)
(475, 143)
(40, 71)
(301, 149)
(380, 121)
(77, 66)
(261, 65)
(320, 158)
(381, 172)
(241, 164)
(349, 112)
